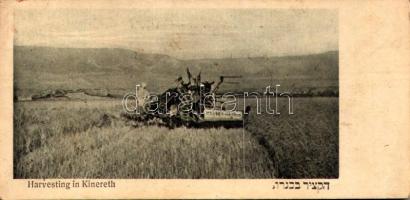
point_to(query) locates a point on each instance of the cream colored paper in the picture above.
(374, 81)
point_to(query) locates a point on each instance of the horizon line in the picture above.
(209, 58)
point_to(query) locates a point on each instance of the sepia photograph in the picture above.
(176, 93)
(229, 99)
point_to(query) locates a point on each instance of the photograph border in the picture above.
(373, 55)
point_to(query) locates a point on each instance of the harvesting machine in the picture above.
(192, 104)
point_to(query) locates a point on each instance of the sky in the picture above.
(183, 33)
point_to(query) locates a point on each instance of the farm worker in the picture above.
(142, 94)
(181, 86)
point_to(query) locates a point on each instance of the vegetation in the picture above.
(74, 139)
(88, 139)
(302, 145)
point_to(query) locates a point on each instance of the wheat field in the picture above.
(89, 139)
(66, 139)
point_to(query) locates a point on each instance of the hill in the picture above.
(49, 68)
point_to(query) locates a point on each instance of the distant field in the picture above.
(302, 145)
(88, 139)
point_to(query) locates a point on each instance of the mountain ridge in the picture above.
(39, 68)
